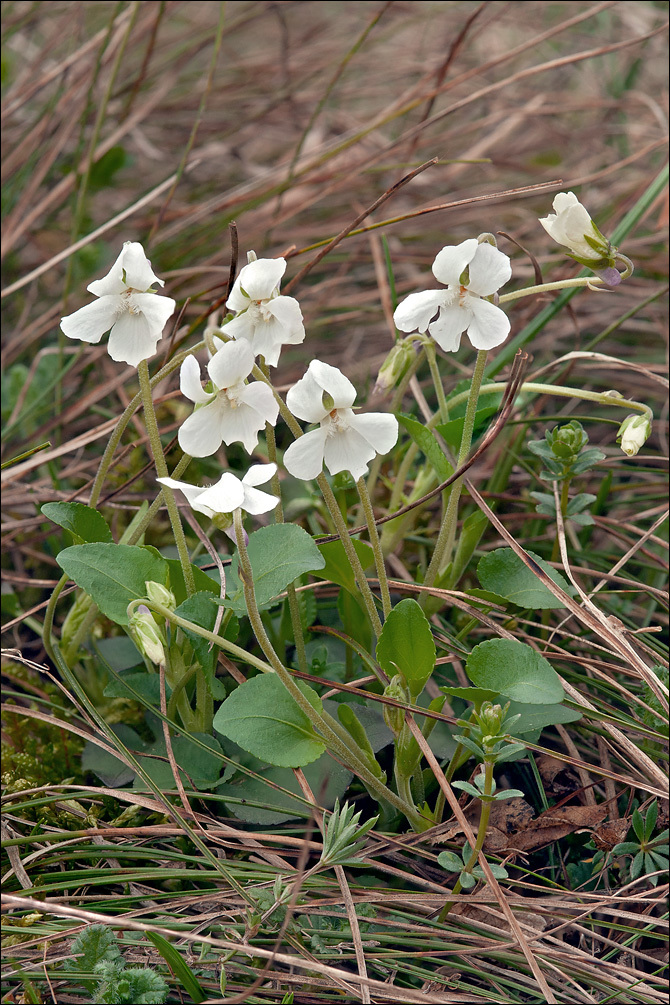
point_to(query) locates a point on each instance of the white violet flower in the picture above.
(263, 317)
(233, 410)
(470, 271)
(571, 226)
(344, 440)
(229, 493)
(127, 305)
(633, 433)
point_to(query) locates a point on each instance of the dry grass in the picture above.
(136, 121)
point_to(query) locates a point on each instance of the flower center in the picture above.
(258, 311)
(337, 421)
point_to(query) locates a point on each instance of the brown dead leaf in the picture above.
(556, 823)
(610, 833)
(559, 778)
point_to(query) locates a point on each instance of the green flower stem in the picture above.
(162, 472)
(293, 605)
(124, 419)
(484, 815)
(565, 499)
(354, 561)
(395, 405)
(178, 676)
(376, 546)
(177, 697)
(561, 284)
(445, 540)
(47, 628)
(337, 738)
(431, 356)
(559, 390)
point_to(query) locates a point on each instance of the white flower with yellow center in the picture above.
(127, 305)
(344, 440)
(471, 272)
(232, 411)
(263, 317)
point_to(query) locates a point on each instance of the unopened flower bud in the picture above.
(490, 718)
(633, 433)
(146, 634)
(395, 717)
(395, 366)
(160, 594)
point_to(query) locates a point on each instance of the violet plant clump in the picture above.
(181, 616)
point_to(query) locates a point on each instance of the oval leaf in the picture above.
(278, 555)
(406, 646)
(113, 574)
(263, 718)
(85, 523)
(515, 670)
(504, 573)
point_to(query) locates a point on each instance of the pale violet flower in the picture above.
(127, 305)
(470, 271)
(233, 410)
(344, 440)
(263, 317)
(229, 493)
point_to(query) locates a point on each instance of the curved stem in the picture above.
(376, 546)
(561, 284)
(484, 815)
(337, 738)
(124, 419)
(445, 541)
(431, 356)
(352, 555)
(293, 604)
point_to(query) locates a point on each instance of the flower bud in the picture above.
(633, 433)
(395, 366)
(395, 717)
(160, 594)
(491, 718)
(146, 634)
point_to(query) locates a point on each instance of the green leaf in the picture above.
(119, 653)
(426, 442)
(324, 776)
(201, 609)
(449, 861)
(406, 646)
(467, 880)
(86, 524)
(477, 695)
(110, 769)
(198, 766)
(203, 582)
(650, 820)
(278, 555)
(262, 717)
(535, 717)
(179, 967)
(504, 573)
(146, 684)
(466, 787)
(113, 574)
(452, 431)
(638, 824)
(515, 670)
(337, 566)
